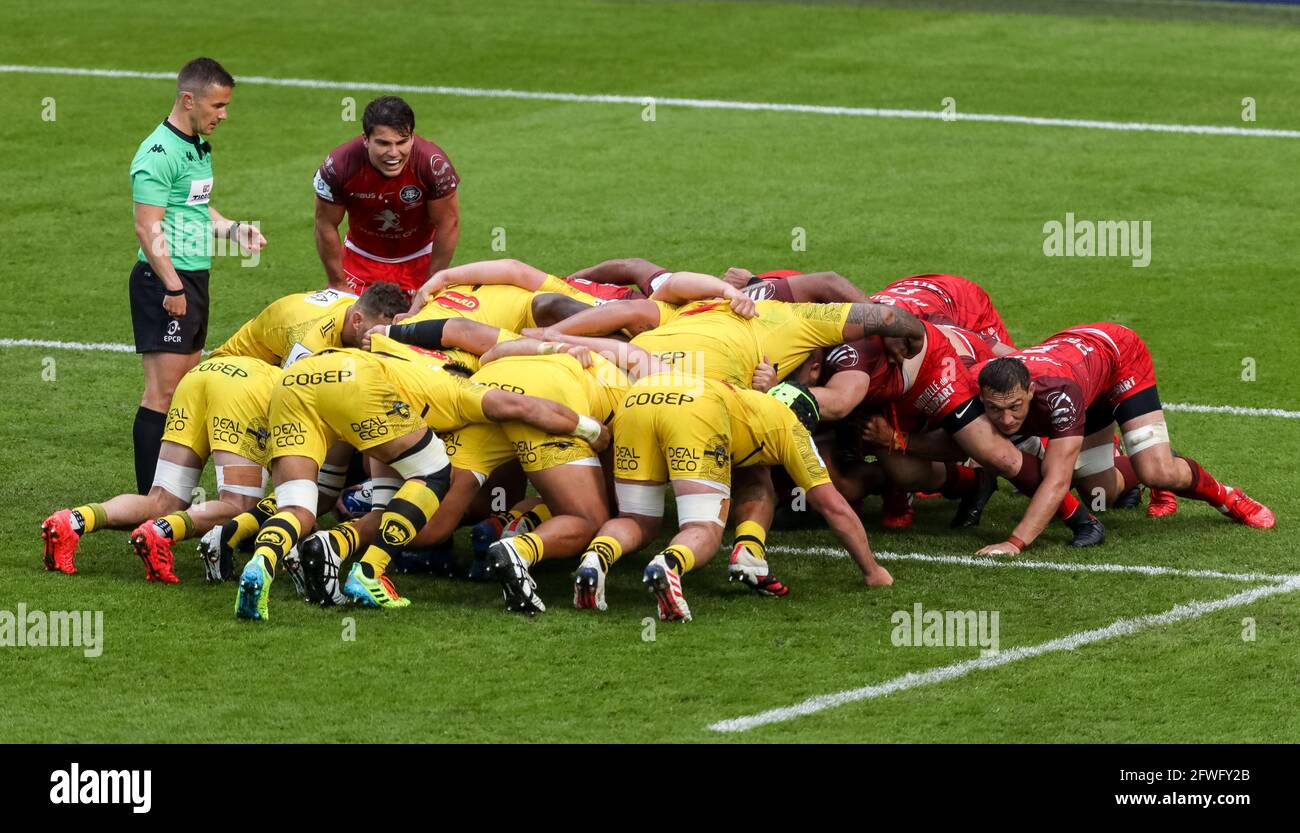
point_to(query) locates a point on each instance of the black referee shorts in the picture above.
(155, 330)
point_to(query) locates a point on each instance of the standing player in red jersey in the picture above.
(1072, 389)
(949, 299)
(398, 191)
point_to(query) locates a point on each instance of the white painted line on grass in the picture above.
(1120, 627)
(1062, 566)
(1230, 409)
(694, 103)
(67, 345)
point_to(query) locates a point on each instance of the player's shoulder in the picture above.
(345, 161)
(433, 167)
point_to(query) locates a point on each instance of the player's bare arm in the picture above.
(248, 237)
(634, 316)
(847, 526)
(444, 214)
(684, 287)
(622, 272)
(1058, 471)
(825, 288)
(149, 231)
(841, 394)
(867, 319)
(329, 243)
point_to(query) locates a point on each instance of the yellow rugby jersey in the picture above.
(497, 305)
(705, 338)
(787, 333)
(765, 432)
(559, 377)
(292, 327)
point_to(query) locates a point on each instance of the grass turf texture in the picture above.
(572, 184)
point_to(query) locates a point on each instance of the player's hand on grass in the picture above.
(175, 304)
(764, 377)
(878, 577)
(742, 304)
(1005, 548)
(738, 277)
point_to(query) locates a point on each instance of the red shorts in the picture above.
(1134, 372)
(360, 271)
(943, 384)
(962, 301)
(604, 291)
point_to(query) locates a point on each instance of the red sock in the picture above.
(1204, 487)
(1031, 475)
(958, 480)
(1125, 467)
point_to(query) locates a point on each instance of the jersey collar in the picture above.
(201, 145)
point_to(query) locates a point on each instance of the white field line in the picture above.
(1118, 628)
(1065, 567)
(694, 103)
(1170, 406)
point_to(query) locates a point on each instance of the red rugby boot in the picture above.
(60, 542)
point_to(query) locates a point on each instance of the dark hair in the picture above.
(201, 73)
(458, 369)
(799, 399)
(1004, 374)
(388, 111)
(383, 300)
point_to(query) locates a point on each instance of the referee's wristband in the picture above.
(173, 293)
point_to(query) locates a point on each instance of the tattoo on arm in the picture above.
(886, 320)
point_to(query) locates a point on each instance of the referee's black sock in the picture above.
(147, 437)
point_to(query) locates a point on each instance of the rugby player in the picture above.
(384, 406)
(950, 299)
(690, 433)
(1073, 389)
(308, 322)
(399, 192)
(219, 411)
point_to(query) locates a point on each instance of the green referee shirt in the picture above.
(174, 171)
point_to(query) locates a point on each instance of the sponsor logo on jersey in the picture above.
(1063, 409)
(256, 434)
(399, 409)
(763, 291)
(716, 456)
(457, 301)
(200, 191)
(388, 221)
(626, 458)
(158, 149)
(410, 195)
(844, 356)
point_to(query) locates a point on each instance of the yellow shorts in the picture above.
(669, 429)
(222, 405)
(365, 400)
(559, 378)
(481, 448)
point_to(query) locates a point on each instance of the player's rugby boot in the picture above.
(254, 591)
(218, 559)
(517, 585)
(1131, 499)
(155, 550)
(1162, 504)
(667, 587)
(320, 570)
(754, 573)
(589, 584)
(1243, 510)
(483, 535)
(60, 542)
(972, 504)
(896, 509)
(1088, 531)
(292, 563)
(372, 592)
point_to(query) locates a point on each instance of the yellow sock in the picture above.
(246, 525)
(175, 526)
(91, 516)
(404, 517)
(345, 540)
(530, 520)
(277, 536)
(680, 559)
(607, 549)
(752, 537)
(529, 547)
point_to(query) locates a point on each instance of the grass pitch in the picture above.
(574, 183)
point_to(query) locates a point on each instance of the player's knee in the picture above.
(1158, 474)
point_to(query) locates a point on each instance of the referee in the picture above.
(171, 185)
